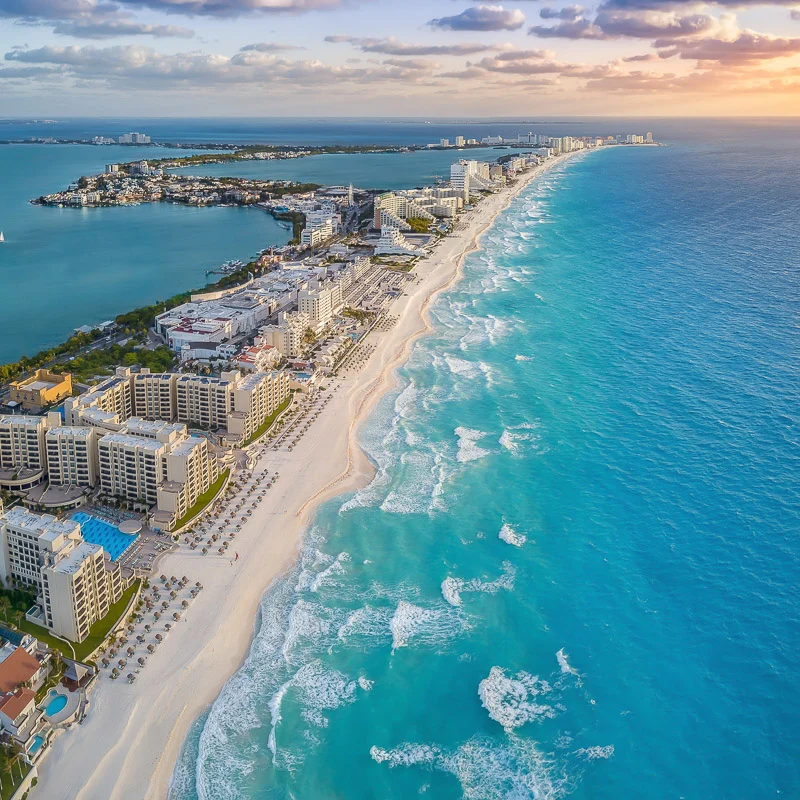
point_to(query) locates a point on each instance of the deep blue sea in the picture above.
(576, 571)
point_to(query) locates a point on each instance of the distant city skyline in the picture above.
(376, 57)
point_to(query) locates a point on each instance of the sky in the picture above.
(399, 58)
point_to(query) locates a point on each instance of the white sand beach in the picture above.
(127, 747)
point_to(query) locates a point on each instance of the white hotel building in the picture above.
(74, 580)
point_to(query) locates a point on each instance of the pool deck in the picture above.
(69, 710)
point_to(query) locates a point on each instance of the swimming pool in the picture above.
(56, 704)
(97, 531)
(36, 745)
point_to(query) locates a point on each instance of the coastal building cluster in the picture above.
(155, 449)
(139, 182)
(560, 144)
(126, 138)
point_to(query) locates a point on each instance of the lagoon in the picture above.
(64, 267)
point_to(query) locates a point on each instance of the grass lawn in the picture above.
(97, 633)
(267, 423)
(10, 783)
(202, 501)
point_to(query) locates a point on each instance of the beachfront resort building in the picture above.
(40, 390)
(392, 242)
(107, 405)
(74, 580)
(469, 177)
(72, 455)
(155, 394)
(320, 301)
(393, 209)
(22, 454)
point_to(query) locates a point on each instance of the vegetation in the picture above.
(267, 423)
(298, 221)
(357, 314)
(13, 769)
(202, 501)
(94, 362)
(15, 602)
(419, 225)
(97, 634)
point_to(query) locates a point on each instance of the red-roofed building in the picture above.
(19, 668)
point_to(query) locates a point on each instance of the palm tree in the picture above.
(16, 758)
(5, 604)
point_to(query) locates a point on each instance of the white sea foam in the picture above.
(453, 588)
(520, 357)
(365, 683)
(511, 701)
(318, 689)
(595, 752)
(485, 768)
(563, 663)
(406, 755)
(510, 536)
(367, 625)
(425, 627)
(517, 438)
(468, 449)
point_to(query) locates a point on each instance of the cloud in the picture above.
(567, 13)
(637, 24)
(48, 10)
(136, 66)
(108, 29)
(644, 57)
(747, 48)
(795, 14)
(482, 18)
(269, 47)
(393, 47)
(670, 5)
(412, 63)
(530, 66)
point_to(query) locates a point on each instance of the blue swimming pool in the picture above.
(36, 745)
(97, 531)
(57, 704)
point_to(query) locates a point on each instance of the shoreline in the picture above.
(147, 722)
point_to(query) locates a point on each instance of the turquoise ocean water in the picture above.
(575, 573)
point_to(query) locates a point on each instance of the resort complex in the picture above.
(108, 474)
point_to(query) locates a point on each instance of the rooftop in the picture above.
(19, 667)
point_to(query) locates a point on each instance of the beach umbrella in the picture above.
(130, 651)
(167, 626)
(112, 652)
(140, 639)
(165, 605)
(131, 677)
(122, 662)
(185, 603)
(148, 628)
(199, 585)
(205, 551)
(176, 616)
(151, 648)
(142, 660)
(159, 637)
(105, 662)
(157, 615)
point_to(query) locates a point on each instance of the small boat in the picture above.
(2, 238)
